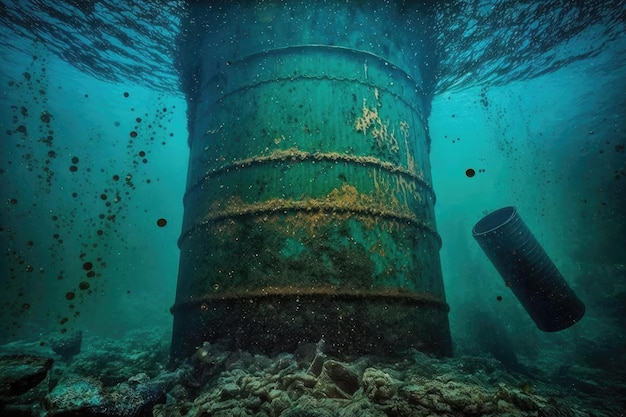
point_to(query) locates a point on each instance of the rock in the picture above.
(208, 361)
(378, 386)
(67, 346)
(20, 373)
(88, 398)
(162, 410)
(113, 361)
(336, 380)
(280, 402)
(299, 412)
(298, 381)
(75, 394)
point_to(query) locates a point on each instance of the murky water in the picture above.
(527, 110)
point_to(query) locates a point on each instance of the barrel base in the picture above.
(350, 325)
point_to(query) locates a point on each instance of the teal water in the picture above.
(84, 249)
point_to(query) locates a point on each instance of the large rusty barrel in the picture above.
(309, 205)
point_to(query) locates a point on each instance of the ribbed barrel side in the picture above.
(309, 206)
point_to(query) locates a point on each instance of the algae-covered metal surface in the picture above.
(309, 207)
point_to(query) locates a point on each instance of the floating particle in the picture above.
(126, 94)
(87, 266)
(138, 120)
(25, 306)
(64, 320)
(63, 330)
(161, 222)
(70, 295)
(45, 117)
(116, 124)
(470, 172)
(52, 154)
(74, 160)
(83, 285)
(142, 153)
(133, 134)
(103, 196)
(74, 194)
(91, 274)
(499, 298)
(73, 168)
(116, 177)
(13, 201)
(99, 232)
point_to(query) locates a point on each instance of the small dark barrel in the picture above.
(527, 270)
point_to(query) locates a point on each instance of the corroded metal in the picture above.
(309, 205)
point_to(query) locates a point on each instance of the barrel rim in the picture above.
(338, 49)
(297, 207)
(418, 299)
(295, 155)
(494, 221)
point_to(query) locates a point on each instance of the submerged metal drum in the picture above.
(309, 208)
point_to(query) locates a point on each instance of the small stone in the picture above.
(280, 403)
(337, 380)
(230, 390)
(378, 385)
(20, 373)
(67, 346)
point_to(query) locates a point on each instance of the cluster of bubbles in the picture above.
(67, 249)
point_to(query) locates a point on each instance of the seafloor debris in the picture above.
(307, 383)
(86, 397)
(20, 373)
(67, 346)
